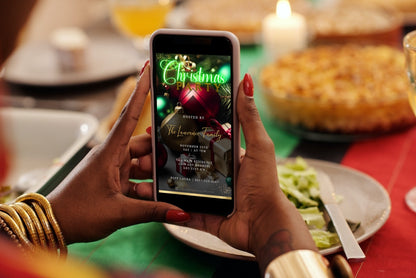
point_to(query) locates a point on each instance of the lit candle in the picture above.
(284, 31)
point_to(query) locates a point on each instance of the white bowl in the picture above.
(40, 142)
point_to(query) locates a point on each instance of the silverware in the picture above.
(349, 243)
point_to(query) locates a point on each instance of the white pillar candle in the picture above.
(284, 31)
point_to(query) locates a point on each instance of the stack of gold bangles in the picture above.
(30, 223)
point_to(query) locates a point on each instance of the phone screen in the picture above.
(193, 118)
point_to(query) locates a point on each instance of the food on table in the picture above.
(70, 45)
(299, 182)
(123, 94)
(340, 88)
(405, 6)
(328, 22)
(361, 23)
(242, 17)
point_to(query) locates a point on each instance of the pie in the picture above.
(362, 23)
(340, 89)
(242, 17)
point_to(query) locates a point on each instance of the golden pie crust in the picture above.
(340, 88)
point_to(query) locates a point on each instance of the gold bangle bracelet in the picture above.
(308, 264)
(46, 227)
(36, 223)
(9, 231)
(299, 264)
(58, 233)
(24, 241)
(31, 230)
(14, 215)
(46, 206)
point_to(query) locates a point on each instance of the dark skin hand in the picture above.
(97, 198)
(265, 222)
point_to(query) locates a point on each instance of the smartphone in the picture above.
(195, 130)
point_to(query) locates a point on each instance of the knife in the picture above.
(352, 249)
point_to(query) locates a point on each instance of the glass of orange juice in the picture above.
(138, 19)
(409, 47)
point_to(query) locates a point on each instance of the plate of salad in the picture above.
(364, 202)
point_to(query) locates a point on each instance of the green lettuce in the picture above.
(313, 217)
(299, 183)
(324, 239)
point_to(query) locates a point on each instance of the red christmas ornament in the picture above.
(162, 157)
(200, 100)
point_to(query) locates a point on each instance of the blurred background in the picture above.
(327, 74)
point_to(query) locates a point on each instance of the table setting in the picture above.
(335, 87)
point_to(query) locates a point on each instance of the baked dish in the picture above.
(405, 6)
(242, 17)
(346, 89)
(360, 23)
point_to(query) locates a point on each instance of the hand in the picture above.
(265, 222)
(96, 198)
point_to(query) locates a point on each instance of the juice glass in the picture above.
(138, 19)
(409, 47)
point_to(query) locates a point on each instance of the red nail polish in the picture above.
(149, 130)
(248, 85)
(144, 66)
(176, 216)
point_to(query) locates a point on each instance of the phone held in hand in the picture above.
(195, 130)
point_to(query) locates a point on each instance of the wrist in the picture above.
(31, 223)
(278, 231)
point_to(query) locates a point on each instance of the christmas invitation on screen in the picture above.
(193, 112)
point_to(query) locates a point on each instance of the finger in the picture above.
(248, 115)
(141, 190)
(127, 122)
(205, 222)
(140, 145)
(135, 211)
(141, 168)
(242, 154)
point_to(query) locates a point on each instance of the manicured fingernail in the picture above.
(149, 130)
(144, 66)
(177, 216)
(248, 85)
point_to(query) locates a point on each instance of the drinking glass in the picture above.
(409, 46)
(138, 19)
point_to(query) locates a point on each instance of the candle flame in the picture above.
(283, 9)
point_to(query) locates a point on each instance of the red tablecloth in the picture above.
(392, 161)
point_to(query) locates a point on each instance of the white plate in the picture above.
(41, 141)
(365, 200)
(107, 57)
